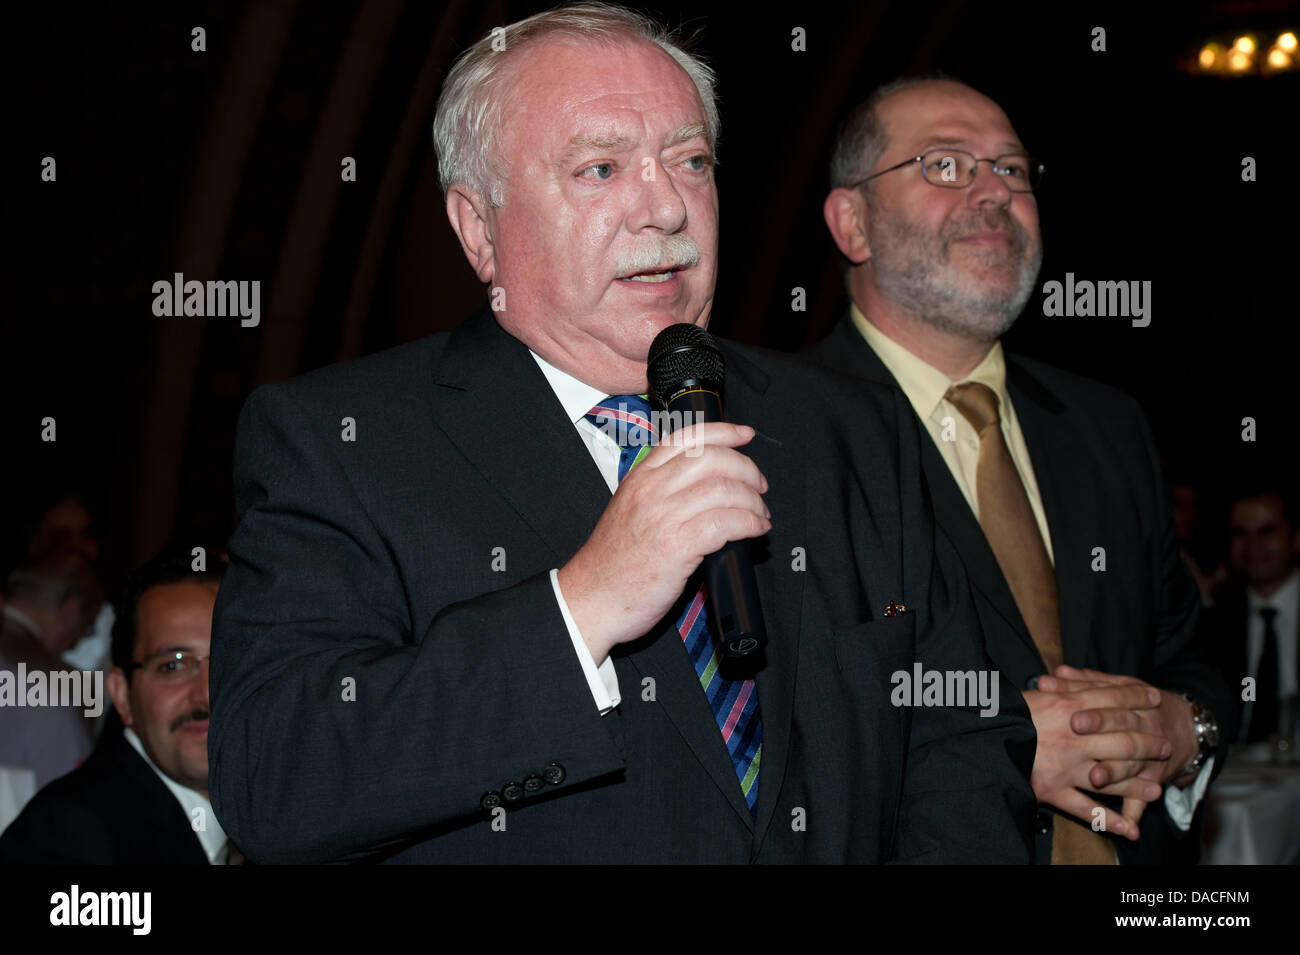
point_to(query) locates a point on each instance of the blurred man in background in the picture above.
(67, 525)
(1255, 623)
(50, 602)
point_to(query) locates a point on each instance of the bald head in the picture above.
(942, 112)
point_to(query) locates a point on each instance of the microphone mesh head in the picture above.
(680, 354)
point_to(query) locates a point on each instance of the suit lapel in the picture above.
(777, 449)
(491, 399)
(951, 511)
(1063, 473)
(954, 515)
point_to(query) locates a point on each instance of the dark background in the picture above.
(225, 165)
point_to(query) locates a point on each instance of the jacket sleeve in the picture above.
(338, 730)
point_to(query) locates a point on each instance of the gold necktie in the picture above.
(1008, 522)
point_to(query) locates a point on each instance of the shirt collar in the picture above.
(212, 837)
(925, 385)
(576, 397)
(1288, 595)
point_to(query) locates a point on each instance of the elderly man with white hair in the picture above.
(478, 632)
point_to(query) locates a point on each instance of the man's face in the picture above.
(1260, 545)
(964, 260)
(608, 174)
(170, 713)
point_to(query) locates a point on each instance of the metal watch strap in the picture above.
(1204, 721)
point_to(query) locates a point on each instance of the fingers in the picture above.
(1133, 809)
(1134, 787)
(726, 479)
(1126, 746)
(690, 441)
(1095, 696)
(1105, 721)
(678, 467)
(711, 530)
(1113, 771)
(714, 491)
(1086, 810)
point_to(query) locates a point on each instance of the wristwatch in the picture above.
(1207, 737)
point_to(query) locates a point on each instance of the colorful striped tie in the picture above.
(627, 419)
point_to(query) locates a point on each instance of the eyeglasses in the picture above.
(955, 169)
(171, 666)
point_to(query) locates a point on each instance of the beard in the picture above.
(979, 300)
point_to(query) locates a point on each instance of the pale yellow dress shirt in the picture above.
(957, 441)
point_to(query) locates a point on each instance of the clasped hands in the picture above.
(1107, 734)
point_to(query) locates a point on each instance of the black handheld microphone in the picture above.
(686, 373)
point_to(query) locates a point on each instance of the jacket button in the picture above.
(553, 773)
(490, 801)
(1044, 822)
(532, 784)
(512, 792)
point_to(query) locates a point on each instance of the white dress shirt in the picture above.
(577, 399)
(212, 837)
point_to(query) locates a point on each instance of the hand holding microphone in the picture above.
(692, 496)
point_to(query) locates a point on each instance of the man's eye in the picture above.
(1015, 171)
(168, 666)
(603, 171)
(699, 163)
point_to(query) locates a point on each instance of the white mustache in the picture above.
(669, 252)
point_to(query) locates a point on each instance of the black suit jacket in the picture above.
(373, 676)
(1225, 629)
(1099, 476)
(111, 810)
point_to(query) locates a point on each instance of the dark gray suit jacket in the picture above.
(1099, 476)
(111, 810)
(369, 565)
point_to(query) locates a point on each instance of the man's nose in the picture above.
(198, 688)
(988, 187)
(659, 204)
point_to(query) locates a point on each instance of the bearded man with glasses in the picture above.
(1031, 469)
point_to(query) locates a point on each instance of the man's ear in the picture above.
(845, 212)
(467, 213)
(120, 691)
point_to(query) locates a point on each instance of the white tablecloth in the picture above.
(1253, 814)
